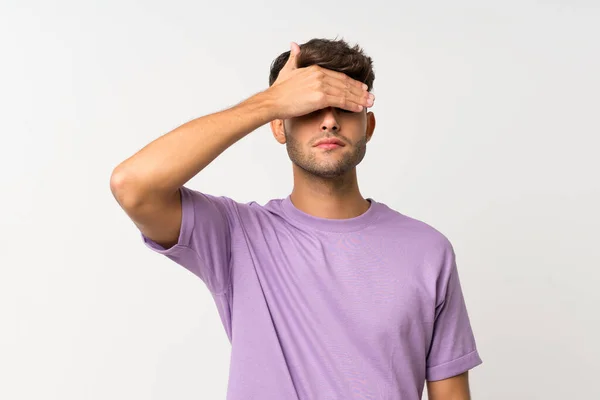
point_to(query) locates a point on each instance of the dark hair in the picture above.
(335, 55)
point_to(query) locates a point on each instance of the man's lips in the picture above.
(329, 143)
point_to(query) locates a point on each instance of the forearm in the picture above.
(167, 163)
(457, 396)
(455, 388)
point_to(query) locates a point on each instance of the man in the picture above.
(324, 294)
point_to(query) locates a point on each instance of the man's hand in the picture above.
(300, 91)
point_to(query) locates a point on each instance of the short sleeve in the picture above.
(204, 242)
(453, 349)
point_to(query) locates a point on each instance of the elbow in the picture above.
(125, 188)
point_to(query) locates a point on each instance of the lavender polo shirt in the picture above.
(319, 309)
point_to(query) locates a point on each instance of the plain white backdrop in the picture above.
(487, 129)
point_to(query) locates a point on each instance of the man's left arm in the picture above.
(452, 351)
(455, 388)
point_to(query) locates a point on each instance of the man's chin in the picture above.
(329, 171)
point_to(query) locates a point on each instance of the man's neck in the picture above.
(332, 198)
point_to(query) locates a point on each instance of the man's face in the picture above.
(351, 130)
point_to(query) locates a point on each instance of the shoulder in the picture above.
(414, 236)
(410, 227)
(238, 210)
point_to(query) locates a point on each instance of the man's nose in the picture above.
(329, 122)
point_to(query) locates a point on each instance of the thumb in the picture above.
(294, 51)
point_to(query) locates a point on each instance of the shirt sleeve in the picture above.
(453, 349)
(204, 242)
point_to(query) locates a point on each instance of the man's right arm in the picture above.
(146, 185)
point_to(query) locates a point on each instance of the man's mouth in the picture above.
(329, 144)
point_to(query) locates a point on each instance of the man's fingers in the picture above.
(341, 98)
(294, 51)
(342, 77)
(360, 93)
(341, 102)
(291, 62)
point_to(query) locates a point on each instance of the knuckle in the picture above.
(319, 85)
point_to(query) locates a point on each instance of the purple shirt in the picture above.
(320, 309)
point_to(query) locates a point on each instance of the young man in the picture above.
(324, 295)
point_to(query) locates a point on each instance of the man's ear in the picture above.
(278, 130)
(370, 125)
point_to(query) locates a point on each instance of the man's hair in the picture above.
(335, 55)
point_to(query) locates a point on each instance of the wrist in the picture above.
(265, 104)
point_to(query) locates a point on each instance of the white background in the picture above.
(488, 123)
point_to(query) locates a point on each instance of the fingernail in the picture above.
(365, 87)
